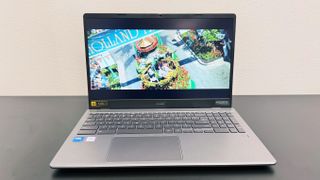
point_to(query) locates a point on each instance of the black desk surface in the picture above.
(33, 128)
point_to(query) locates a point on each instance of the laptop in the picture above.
(159, 94)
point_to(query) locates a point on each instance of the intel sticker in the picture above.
(78, 139)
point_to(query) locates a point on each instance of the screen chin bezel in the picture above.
(160, 21)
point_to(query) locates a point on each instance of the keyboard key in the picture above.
(168, 126)
(101, 123)
(201, 126)
(103, 127)
(122, 127)
(112, 127)
(168, 130)
(187, 130)
(87, 132)
(221, 130)
(90, 123)
(218, 118)
(186, 126)
(90, 120)
(237, 126)
(229, 125)
(140, 127)
(149, 126)
(216, 114)
(197, 130)
(220, 122)
(240, 130)
(131, 127)
(229, 114)
(233, 130)
(89, 127)
(228, 121)
(233, 120)
(107, 131)
(208, 131)
(202, 122)
(158, 126)
(215, 125)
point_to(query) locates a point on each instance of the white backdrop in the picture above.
(42, 51)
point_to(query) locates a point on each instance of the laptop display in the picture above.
(166, 58)
(159, 59)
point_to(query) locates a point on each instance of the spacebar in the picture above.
(139, 131)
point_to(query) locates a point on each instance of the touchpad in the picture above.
(145, 149)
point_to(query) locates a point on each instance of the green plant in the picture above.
(211, 35)
(206, 56)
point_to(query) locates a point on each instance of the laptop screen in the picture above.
(174, 61)
(158, 59)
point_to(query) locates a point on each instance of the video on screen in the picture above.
(153, 59)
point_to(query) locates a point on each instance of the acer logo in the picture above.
(160, 103)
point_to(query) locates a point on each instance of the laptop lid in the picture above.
(159, 60)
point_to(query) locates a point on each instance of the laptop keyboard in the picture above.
(159, 123)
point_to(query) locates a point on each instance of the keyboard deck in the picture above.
(159, 122)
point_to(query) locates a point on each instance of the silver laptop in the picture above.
(160, 91)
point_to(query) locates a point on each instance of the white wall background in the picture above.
(42, 51)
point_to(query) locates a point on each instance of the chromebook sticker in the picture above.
(91, 139)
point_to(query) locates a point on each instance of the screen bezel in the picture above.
(159, 21)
